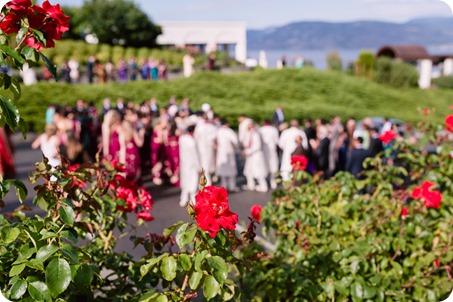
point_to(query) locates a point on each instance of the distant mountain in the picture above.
(352, 35)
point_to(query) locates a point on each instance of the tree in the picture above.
(334, 61)
(118, 22)
(365, 64)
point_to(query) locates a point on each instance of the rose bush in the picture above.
(68, 253)
(385, 237)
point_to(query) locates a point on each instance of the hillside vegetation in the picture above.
(303, 93)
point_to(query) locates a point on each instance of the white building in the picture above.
(208, 34)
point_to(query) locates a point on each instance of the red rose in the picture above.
(425, 111)
(430, 198)
(212, 211)
(449, 123)
(145, 215)
(145, 199)
(19, 7)
(75, 181)
(299, 162)
(128, 196)
(255, 210)
(404, 212)
(10, 24)
(436, 263)
(387, 136)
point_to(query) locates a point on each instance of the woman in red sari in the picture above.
(158, 140)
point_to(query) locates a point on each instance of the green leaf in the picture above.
(9, 113)
(30, 54)
(18, 289)
(45, 252)
(220, 268)
(21, 189)
(357, 290)
(185, 261)
(9, 234)
(355, 266)
(84, 275)
(179, 235)
(15, 88)
(26, 251)
(168, 268)
(38, 290)
(168, 231)
(195, 279)
(398, 268)
(69, 252)
(23, 126)
(52, 67)
(67, 214)
(16, 269)
(58, 276)
(153, 297)
(210, 287)
(33, 263)
(189, 235)
(198, 259)
(144, 269)
(11, 53)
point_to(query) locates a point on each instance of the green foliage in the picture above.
(303, 93)
(344, 239)
(334, 61)
(365, 64)
(115, 22)
(394, 73)
(444, 82)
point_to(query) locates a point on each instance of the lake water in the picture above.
(318, 56)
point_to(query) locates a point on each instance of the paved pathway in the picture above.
(166, 209)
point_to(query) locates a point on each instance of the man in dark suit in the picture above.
(278, 117)
(320, 151)
(354, 163)
(375, 143)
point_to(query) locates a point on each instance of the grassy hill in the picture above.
(303, 93)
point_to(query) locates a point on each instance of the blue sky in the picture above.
(264, 13)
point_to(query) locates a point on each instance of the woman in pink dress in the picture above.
(172, 154)
(133, 140)
(113, 143)
(158, 150)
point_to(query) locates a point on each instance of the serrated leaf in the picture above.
(39, 291)
(195, 279)
(58, 276)
(45, 252)
(67, 214)
(21, 189)
(18, 289)
(168, 268)
(210, 287)
(9, 113)
(185, 261)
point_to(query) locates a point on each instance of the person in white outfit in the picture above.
(49, 142)
(226, 168)
(287, 143)
(255, 164)
(189, 167)
(205, 134)
(269, 135)
(243, 127)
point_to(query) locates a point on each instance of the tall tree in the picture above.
(118, 22)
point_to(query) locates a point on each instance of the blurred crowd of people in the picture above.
(173, 144)
(96, 71)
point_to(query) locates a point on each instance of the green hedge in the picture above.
(303, 93)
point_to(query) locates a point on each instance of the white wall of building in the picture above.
(209, 33)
